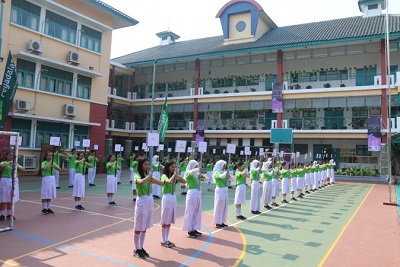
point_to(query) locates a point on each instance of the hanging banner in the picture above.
(8, 88)
(277, 103)
(374, 133)
(200, 130)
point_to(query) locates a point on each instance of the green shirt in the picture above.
(220, 182)
(254, 175)
(268, 176)
(56, 158)
(191, 181)
(6, 172)
(275, 173)
(209, 167)
(72, 164)
(292, 173)
(134, 165)
(119, 162)
(80, 167)
(49, 171)
(230, 167)
(183, 166)
(167, 188)
(142, 189)
(284, 173)
(92, 161)
(240, 178)
(111, 168)
(309, 169)
(300, 172)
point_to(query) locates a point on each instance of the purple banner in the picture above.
(277, 103)
(200, 131)
(374, 133)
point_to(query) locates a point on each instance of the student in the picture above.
(79, 182)
(231, 173)
(267, 184)
(156, 175)
(92, 159)
(182, 167)
(209, 167)
(133, 162)
(275, 184)
(119, 165)
(300, 172)
(285, 174)
(72, 170)
(169, 179)
(308, 180)
(240, 192)
(255, 187)
(144, 206)
(221, 177)
(332, 165)
(6, 186)
(112, 168)
(56, 160)
(293, 181)
(192, 216)
(48, 191)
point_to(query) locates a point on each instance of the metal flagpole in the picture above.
(152, 118)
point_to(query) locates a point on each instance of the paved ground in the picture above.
(342, 225)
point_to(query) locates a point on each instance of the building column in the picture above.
(196, 92)
(127, 150)
(279, 55)
(110, 103)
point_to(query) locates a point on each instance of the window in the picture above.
(333, 75)
(249, 80)
(90, 39)
(84, 87)
(60, 27)
(222, 82)
(371, 7)
(26, 73)
(45, 130)
(25, 14)
(269, 79)
(80, 133)
(56, 81)
(362, 150)
(24, 129)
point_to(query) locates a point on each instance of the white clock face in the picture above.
(241, 26)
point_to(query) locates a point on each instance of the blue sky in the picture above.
(192, 19)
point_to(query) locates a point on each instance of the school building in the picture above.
(62, 52)
(333, 72)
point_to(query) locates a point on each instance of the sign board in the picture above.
(153, 139)
(247, 151)
(136, 148)
(160, 147)
(261, 151)
(231, 148)
(169, 150)
(202, 147)
(214, 151)
(189, 149)
(144, 146)
(180, 146)
(55, 141)
(86, 143)
(282, 135)
(13, 139)
(117, 147)
(77, 143)
(96, 147)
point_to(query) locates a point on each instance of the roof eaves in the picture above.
(114, 11)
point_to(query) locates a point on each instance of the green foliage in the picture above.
(354, 171)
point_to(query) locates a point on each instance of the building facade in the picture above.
(62, 52)
(333, 72)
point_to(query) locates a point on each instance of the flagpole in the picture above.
(152, 112)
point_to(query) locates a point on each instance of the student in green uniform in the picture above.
(240, 193)
(112, 168)
(56, 159)
(209, 167)
(72, 170)
(48, 191)
(92, 159)
(133, 162)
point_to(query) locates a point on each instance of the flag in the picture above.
(8, 88)
(163, 122)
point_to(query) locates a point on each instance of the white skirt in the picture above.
(79, 185)
(220, 205)
(275, 187)
(192, 217)
(293, 184)
(240, 194)
(48, 187)
(285, 185)
(255, 196)
(111, 183)
(5, 190)
(168, 209)
(71, 176)
(300, 183)
(156, 187)
(143, 213)
(267, 192)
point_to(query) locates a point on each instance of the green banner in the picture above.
(8, 88)
(163, 122)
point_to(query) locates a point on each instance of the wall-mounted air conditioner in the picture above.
(35, 46)
(23, 105)
(70, 110)
(74, 57)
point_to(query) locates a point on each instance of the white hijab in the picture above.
(218, 167)
(254, 164)
(192, 165)
(155, 160)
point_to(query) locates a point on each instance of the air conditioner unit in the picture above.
(129, 95)
(191, 125)
(134, 95)
(113, 124)
(23, 105)
(133, 126)
(35, 46)
(70, 110)
(74, 57)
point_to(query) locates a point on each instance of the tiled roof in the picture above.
(114, 11)
(309, 34)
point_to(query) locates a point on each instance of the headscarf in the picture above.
(331, 161)
(218, 166)
(315, 163)
(253, 164)
(155, 160)
(191, 165)
(266, 165)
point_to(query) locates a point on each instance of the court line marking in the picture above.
(321, 263)
(208, 242)
(73, 249)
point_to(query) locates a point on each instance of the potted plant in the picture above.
(308, 87)
(327, 85)
(342, 85)
(236, 90)
(253, 89)
(216, 91)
